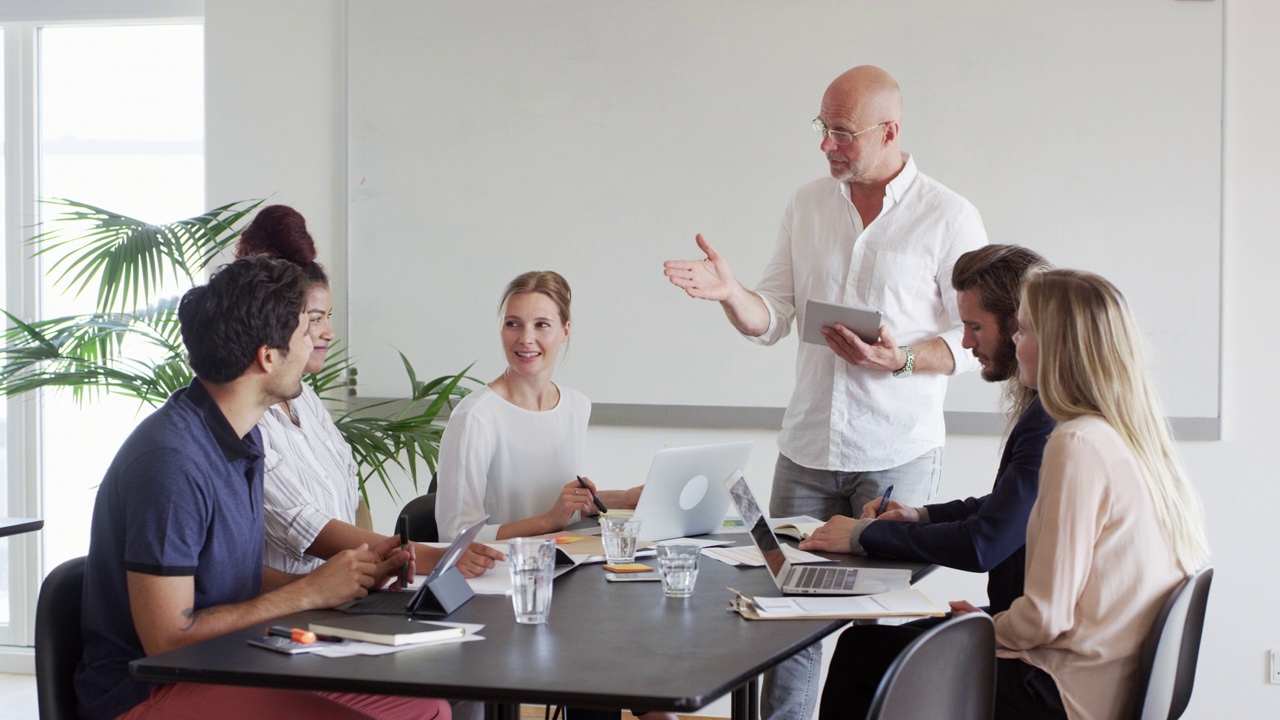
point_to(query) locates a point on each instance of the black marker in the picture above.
(599, 505)
(402, 529)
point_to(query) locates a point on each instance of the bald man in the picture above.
(876, 234)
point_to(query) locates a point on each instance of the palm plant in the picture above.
(131, 345)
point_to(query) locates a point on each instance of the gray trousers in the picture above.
(790, 690)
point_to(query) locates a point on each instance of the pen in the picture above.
(884, 501)
(298, 635)
(599, 505)
(402, 529)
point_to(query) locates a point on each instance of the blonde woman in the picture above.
(1117, 523)
(515, 449)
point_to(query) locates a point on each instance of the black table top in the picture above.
(16, 526)
(608, 645)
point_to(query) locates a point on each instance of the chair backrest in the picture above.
(1168, 667)
(421, 514)
(59, 643)
(948, 672)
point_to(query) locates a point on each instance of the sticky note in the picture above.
(628, 567)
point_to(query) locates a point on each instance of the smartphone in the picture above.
(633, 577)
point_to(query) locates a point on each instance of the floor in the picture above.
(18, 697)
(18, 701)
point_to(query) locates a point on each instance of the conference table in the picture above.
(605, 645)
(17, 526)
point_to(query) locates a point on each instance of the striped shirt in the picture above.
(310, 479)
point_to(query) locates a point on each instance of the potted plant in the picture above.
(131, 345)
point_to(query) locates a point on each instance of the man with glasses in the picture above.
(878, 234)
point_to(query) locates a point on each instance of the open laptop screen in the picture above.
(757, 525)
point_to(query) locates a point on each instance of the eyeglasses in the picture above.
(841, 137)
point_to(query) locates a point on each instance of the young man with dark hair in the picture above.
(986, 534)
(176, 546)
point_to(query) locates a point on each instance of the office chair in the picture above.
(1167, 670)
(948, 672)
(59, 644)
(421, 512)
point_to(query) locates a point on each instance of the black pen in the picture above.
(884, 501)
(402, 529)
(599, 505)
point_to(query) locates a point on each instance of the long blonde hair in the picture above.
(1093, 362)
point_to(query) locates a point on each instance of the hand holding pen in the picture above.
(884, 501)
(599, 505)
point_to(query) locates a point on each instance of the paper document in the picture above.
(348, 648)
(497, 579)
(897, 603)
(749, 556)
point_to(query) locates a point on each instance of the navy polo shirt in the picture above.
(183, 497)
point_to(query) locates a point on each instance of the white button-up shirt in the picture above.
(843, 417)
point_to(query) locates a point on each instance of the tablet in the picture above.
(818, 314)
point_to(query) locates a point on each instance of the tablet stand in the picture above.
(442, 595)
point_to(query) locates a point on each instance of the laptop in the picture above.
(683, 495)
(394, 602)
(806, 579)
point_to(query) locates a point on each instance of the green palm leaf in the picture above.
(130, 260)
(132, 344)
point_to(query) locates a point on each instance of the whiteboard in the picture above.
(596, 137)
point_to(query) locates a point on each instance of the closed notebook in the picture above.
(386, 629)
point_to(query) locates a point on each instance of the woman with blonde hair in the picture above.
(514, 449)
(1117, 524)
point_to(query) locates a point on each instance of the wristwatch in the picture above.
(905, 370)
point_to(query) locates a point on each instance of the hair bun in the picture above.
(278, 231)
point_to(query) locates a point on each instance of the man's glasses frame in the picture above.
(840, 137)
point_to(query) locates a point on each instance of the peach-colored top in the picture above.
(1098, 569)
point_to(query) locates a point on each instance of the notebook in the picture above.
(684, 495)
(407, 601)
(806, 579)
(386, 629)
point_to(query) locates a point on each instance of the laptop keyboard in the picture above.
(825, 579)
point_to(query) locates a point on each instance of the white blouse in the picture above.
(310, 479)
(506, 461)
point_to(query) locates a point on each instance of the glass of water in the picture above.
(533, 564)
(619, 535)
(679, 567)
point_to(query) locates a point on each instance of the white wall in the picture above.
(274, 94)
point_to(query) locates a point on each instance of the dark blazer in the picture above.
(986, 534)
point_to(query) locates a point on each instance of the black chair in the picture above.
(948, 672)
(421, 514)
(59, 643)
(1168, 668)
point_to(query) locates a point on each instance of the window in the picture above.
(109, 113)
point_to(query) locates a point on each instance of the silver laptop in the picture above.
(806, 579)
(684, 494)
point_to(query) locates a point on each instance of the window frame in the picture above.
(20, 24)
